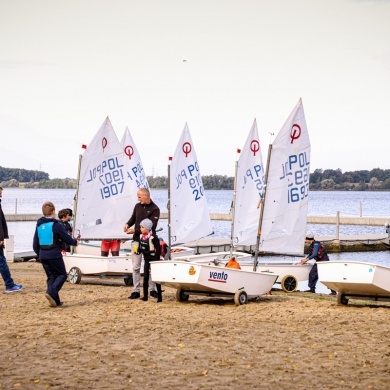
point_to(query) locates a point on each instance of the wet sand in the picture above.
(100, 339)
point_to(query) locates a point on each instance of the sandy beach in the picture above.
(100, 339)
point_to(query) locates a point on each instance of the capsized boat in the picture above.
(355, 279)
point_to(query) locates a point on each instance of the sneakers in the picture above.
(134, 295)
(153, 294)
(15, 288)
(333, 292)
(52, 302)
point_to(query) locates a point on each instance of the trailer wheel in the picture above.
(181, 295)
(341, 299)
(240, 298)
(289, 283)
(128, 280)
(74, 275)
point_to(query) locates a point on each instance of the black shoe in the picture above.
(312, 290)
(153, 294)
(333, 292)
(144, 299)
(159, 298)
(134, 295)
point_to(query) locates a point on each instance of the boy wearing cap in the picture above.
(145, 208)
(317, 252)
(149, 246)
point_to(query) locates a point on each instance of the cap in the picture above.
(147, 223)
(309, 236)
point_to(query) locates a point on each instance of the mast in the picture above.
(169, 208)
(233, 208)
(262, 203)
(76, 201)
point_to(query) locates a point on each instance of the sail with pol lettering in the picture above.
(286, 200)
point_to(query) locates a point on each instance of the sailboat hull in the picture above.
(289, 273)
(205, 279)
(354, 279)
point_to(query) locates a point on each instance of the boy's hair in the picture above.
(47, 209)
(63, 213)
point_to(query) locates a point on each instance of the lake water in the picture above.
(348, 203)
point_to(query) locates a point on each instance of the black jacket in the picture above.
(141, 212)
(3, 225)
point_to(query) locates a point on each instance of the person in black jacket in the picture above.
(149, 246)
(146, 208)
(50, 234)
(10, 285)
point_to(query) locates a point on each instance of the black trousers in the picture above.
(56, 276)
(147, 276)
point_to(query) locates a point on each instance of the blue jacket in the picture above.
(60, 235)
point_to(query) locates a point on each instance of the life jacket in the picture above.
(47, 239)
(232, 263)
(322, 253)
(146, 245)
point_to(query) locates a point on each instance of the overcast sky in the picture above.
(153, 65)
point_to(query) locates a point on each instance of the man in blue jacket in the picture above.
(48, 239)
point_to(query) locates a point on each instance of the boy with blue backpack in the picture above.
(49, 237)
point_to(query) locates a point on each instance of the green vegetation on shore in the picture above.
(325, 180)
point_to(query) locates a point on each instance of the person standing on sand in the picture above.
(49, 236)
(317, 252)
(145, 208)
(149, 246)
(10, 285)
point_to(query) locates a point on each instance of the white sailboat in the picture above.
(189, 220)
(355, 279)
(103, 193)
(282, 225)
(273, 216)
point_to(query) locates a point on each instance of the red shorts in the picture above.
(114, 245)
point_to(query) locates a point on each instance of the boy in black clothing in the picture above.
(48, 238)
(149, 246)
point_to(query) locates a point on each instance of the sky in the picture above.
(153, 65)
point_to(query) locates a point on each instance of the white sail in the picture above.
(104, 195)
(249, 190)
(190, 219)
(135, 173)
(286, 202)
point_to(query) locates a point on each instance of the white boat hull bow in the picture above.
(355, 279)
(211, 280)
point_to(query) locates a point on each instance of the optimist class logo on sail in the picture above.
(296, 171)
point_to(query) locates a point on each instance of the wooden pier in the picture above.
(312, 219)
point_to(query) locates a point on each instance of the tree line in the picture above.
(325, 180)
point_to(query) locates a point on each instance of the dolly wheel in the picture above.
(341, 300)
(181, 295)
(289, 283)
(240, 298)
(74, 275)
(128, 279)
